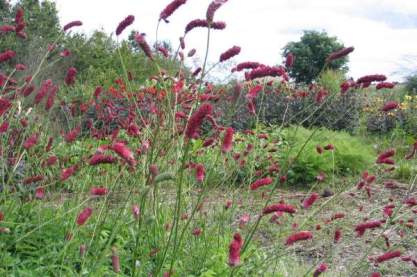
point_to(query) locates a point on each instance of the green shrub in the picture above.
(351, 154)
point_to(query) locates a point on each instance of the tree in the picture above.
(310, 55)
(411, 84)
(42, 27)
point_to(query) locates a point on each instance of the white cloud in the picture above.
(262, 28)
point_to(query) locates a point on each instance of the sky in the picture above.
(383, 32)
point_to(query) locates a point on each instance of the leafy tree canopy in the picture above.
(311, 53)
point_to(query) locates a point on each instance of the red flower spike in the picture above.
(72, 135)
(51, 98)
(230, 53)
(124, 152)
(386, 85)
(33, 179)
(51, 161)
(43, 90)
(309, 201)
(337, 235)
(279, 208)
(386, 256)
(384, 158)
(68, 172)
(390, 105)
(71, 74)
(40, 193)
(140, 40)
(182, 43)
(302, 235)
(5, 105)
(320, 269)
(340, 54)
(98, 191)
(247, 65)
(4, 127)
(264, 71)
(362, 227)
(289, 60)
(84, 216)
(219, 25)
(371, 78)
(124, 24)
(234, 250)
(212, 8)
(227, 144)
(72, 24)
(170, 9)
(7, 29)
(199, 172)
(31, 141)
(7, 55)
(196, 119)
(260, 183)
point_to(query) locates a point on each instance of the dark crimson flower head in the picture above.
(7, 55)
(390, 105)
(340, 53)
(84, 216)
(170, 9)
(212, 8)
(309, 201)
(260, 183)
(218, 25)
(386, 85)
(234, 250)
(124, 24)
(228, 140)
(71, 74)
(31, 141)
(362, 227)
(5, 105)
(386, 256)
(384, 157)
(182, 43)
(281, 207)
(289, 61)
(191, 52)
(7, 29)
(264, 71)
(51, 97)
(98, 191)
(302, 235)
(247, 65)
(124, 152)
(196, 119)
(371, 78)
(72, 24)
(320, 269)
(230, 53)
(140, 40)
(200, 172)
(68, 172)
(337, 235)
(19, 20)
(72, 135)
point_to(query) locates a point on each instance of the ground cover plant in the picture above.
(154, 177)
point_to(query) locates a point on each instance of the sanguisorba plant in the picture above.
(133, 198)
